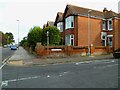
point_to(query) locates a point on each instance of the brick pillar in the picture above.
(40, 50)
(92, 49)
(68, 50)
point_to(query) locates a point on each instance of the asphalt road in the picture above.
(98, 74)
(6, 52)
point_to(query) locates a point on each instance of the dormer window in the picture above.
(109, 24)
(69, 22)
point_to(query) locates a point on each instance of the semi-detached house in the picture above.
(82, 27)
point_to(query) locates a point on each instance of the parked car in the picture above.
(116, 53)
(13, 47)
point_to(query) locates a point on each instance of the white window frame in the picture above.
(105, 24)
(68, 22)
(68, 39)
(109, 24)
(71, 38)
(104, 34)
(60, 26)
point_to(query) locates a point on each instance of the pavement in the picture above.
(22, 57)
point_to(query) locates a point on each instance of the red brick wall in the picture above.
(70, 50)
(95, 31)
(116, 34)
(119, 33)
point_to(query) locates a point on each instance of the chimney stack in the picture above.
(105, 10)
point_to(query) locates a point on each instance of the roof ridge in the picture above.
(60, 12)
(50, 21)
(83, 8)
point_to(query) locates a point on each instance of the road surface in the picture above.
(6, 52)
(97, 74)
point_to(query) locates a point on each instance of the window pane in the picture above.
(69, 22)
(60, 26)
(67, 39)
(109, 24)
(72, 21)
(110, 41)
(104, 24)
(72, 42)
(103, 42)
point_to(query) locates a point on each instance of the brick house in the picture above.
(59, 24)
(49, 23)
(104, 27)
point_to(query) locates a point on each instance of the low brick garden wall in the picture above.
(63, 51)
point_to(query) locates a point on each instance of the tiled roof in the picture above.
(84, 11)
(60, 14)
(50, 23)
(110, 14)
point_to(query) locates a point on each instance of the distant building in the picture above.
(45, 25)
(59, 24)
(49, 23)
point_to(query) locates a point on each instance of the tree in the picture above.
(54, 35)
(6, 38)
(24, 42)
(1, 35)
(34, 36)
(9, 38)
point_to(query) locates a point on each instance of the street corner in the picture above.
(15, 63)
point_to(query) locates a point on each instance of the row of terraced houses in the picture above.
(83, 27)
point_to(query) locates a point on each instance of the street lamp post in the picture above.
(89, 32)
(47, 42)
(18, 33)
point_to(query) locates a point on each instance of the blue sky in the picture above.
(37, 12)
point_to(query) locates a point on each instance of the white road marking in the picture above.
(63, 73)
(21, 79)
(97, 61)
(28, 78)
(102, 67)
(83, 62)
(113, 60)
(3, 64)
(48, 76)
(4, 83)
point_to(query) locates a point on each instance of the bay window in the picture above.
(69, 40)
(60, 26)
(69, 22)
